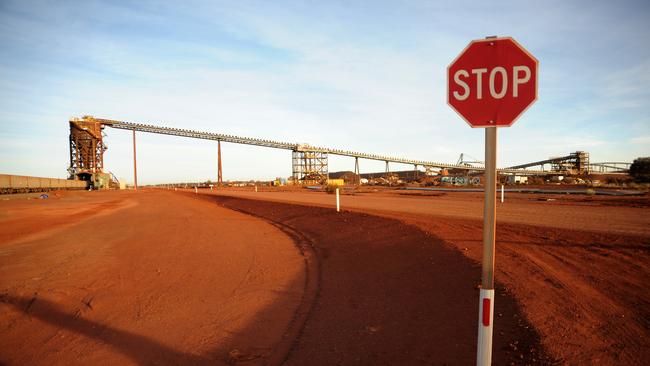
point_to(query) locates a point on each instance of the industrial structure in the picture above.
(310, 166)
(87, 153)
(309, 163)
(86, 149)
(576, 163)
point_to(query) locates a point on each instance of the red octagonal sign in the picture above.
(492, 82)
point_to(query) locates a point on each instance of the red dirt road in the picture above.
(391, 294)
(147, 278)
(170, 278)
(579, 266)
(178, 278)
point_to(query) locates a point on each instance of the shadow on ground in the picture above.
(385, 293)
(391, 294)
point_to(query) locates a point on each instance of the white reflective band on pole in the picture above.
(338, 202)
(485, 322)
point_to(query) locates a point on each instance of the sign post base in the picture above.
(485, 324)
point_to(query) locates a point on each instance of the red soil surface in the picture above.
(391, 294)
(579, 266)
(145, 278)
(624, 215)
(178, 278)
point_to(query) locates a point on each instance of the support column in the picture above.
(415, 173)
(357, 173)
(219, 173)
(135, 166)
(72, 149)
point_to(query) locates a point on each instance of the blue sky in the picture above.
(366, 76)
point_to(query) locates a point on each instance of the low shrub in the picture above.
(331, 188)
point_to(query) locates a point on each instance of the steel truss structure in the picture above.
(610, 167)
(86, 149)
(265, 143)
(311, 161)
(576, 163)
(309, 166)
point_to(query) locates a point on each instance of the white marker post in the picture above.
(338, 201)
(255, 188)
(502, 193)
(196, 190)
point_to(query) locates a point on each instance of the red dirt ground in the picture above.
(146, 278)
(578, 265)
(173, 278)
(391, 294)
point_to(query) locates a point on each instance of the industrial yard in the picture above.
(324, 267)
(237, 276)
(325, 183)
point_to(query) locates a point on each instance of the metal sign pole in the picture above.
(486, 303)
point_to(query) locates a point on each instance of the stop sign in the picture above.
(492, 82)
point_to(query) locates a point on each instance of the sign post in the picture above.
(486, 303)
(490, 84)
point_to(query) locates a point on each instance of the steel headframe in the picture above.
(86, 149)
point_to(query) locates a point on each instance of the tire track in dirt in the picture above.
(311, 287)
(389, 293)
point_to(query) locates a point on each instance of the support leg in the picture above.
(219, 172)
(357, 174)
(135, 166)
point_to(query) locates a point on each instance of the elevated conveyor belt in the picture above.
(293, 146)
